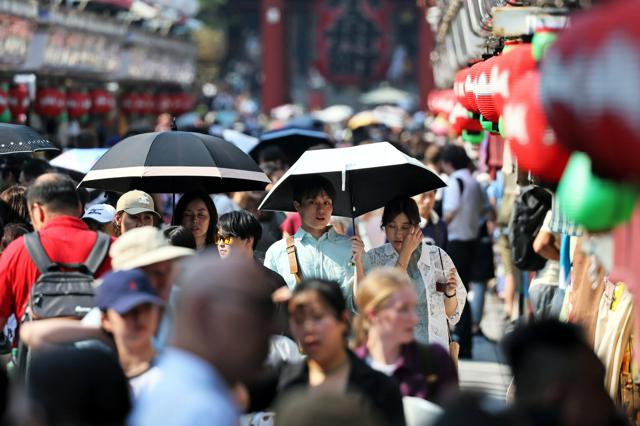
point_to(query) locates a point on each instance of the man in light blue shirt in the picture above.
(222, 326)
(321, 252)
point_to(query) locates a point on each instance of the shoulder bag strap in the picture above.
(36, 252)
(98, 252)
(293, 259)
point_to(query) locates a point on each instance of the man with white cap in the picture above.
(99, 217)
(145, 248)
(133, 210)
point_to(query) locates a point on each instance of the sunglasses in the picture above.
(226, 239)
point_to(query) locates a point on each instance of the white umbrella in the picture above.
(78, 160)
(365, 178)
(386, 95)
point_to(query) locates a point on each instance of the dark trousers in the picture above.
(461, 253)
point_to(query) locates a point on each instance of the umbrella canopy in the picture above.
(292, 141)
(79, 160)
(385, 95)
(245, 142)
(175, 162)
(365, 177)
(16, 138)
(334, 114)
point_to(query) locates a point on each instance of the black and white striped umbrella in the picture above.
(17, 139)
(175, 162)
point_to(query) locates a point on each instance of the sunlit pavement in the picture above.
(486, 372)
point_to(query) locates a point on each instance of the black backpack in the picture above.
(527, 217)
(62, 289)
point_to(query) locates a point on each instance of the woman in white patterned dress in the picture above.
(425, 264)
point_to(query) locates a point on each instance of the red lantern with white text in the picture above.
(128, 104)
(459, 87)
(532, 141)
(50, 103)
(146, 102)
(484, 91)
(78, 104)
(18, 101)
(590, 88)
(470, 88)
(102, 101)
(507, 69)
(163, 102)
(460, 120)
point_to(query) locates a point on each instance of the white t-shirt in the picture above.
(140, 382)
(386, 369)
(468, 206)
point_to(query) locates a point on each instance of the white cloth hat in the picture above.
(142, 247)
(102, 213)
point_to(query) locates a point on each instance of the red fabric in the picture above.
(65, 239)
(291, 224)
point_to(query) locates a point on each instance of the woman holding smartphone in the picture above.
(441, 294)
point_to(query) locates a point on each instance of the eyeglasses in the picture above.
(226, 239)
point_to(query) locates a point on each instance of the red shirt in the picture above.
(65, 239)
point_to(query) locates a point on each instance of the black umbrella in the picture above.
(292, 141)
(365, 178)
(16, 139)
(175, 162)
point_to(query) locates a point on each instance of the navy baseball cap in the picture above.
(124, 290)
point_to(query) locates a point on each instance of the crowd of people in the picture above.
(214, 312)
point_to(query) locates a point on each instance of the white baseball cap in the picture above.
(101, 213)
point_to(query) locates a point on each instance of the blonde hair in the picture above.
(378, 286)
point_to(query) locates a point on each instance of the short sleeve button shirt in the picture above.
(327, 258)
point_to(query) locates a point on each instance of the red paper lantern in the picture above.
(590, 90)
(531, 139)
(78, 104)
(4, 100)
(146, 103)
(470, 88)
(460, 120)
(139, 103)
(175, 107)
(102, 101)
(507, 69)
(459, 87)
(484, 91)
(441, 101)
(50, 103)
(163, 102)
(187, 101)
(129, 104)
(18, 101)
